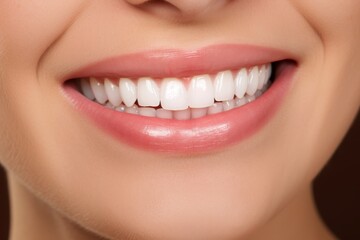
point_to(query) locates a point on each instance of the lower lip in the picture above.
(207, 134)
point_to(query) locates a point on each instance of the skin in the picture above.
(70, 180)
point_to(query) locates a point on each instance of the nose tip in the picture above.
(186, 8)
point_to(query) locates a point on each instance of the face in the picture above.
(118, 173)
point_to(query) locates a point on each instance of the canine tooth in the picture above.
(201, 92)
(215, 108)
(253, 81)
(128, 91)
(182, 114)
(224, 86)
(132, 110)
(198, 112)
(98, 90)
(173, 94)
(165, 114)
(112, 92)
(268, 73)
(262, 76)
(147, 112)
(241, 83)
(86, 89)
(148, 93)
(228, 105)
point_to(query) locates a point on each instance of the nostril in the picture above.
(161, 4)
(136, 2)
(160, 7)
(179, 10)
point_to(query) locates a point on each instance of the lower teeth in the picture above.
(190, 113)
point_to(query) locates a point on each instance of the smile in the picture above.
(183, 101)
(180, 99)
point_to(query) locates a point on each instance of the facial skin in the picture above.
(65, 170)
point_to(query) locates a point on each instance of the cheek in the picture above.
(29, 28)
(332, 89)
(335, 21)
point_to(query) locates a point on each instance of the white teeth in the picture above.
(201, 92)
(253, 81)
(98, 90)
(133, 110)
(182, 114)
(128, 91)
(144, 97)
(147, 112)
(250, 98)
(173, 94)
(262, 76)
(228, 105)
(240, 101)
(148, 93)
(216, 108)
(165, 114)
(120, 108)
(224, 86)
(241, 83)
(268, 74)
(112, 92)
(86, 89)
(198, 112)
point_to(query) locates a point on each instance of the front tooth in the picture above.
(147, 112)
(224, 86)
(241, 83)
(128, 91)
(201, 92)
(182, 114)
(198, 112)
(165, 114)
(148, 92)
(216, 108)
(173, 94)
(113, 92)
(253, 81)
(98, 90)
(86, 89)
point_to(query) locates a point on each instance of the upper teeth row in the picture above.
(172, 94)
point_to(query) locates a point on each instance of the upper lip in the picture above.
(180, 63)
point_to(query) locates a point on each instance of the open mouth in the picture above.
(179, 98)
(183, 102)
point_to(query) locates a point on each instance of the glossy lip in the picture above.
(181, 63)
(205, 134)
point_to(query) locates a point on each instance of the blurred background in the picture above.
(337, 190)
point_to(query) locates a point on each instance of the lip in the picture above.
(181, 63)
(210, 133)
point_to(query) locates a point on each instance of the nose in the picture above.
(185, 8)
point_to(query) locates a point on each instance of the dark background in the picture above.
(337, 190)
